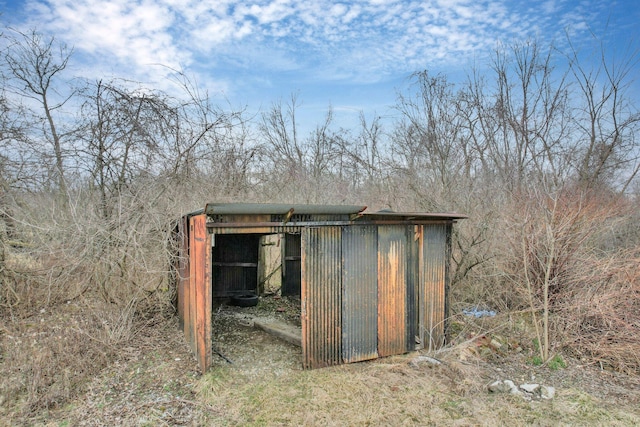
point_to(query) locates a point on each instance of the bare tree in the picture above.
(35, 63)
(607, 121)
(368, 153)
(435, 128)
(518, 118)
(279, 130)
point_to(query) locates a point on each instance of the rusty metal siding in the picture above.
(434, 266)
(251, 228)
(392, 290)
(199, 290)
(412, 277)
(447, 277)
(321, 296)
(369, 284)
(360, 293)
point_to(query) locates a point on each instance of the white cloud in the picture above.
(137, 33)
(363, 40)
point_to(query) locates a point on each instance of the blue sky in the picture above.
(352, 55)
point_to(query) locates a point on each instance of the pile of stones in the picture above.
(527, 391)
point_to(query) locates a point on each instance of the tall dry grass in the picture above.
(76, 287)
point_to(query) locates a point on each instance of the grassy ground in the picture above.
(152, 379)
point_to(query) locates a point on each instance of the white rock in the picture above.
(530, 388)
(512, 388)
(510, 384)
(516, 391)
(425, 359)
(547, 392)
(498, 387)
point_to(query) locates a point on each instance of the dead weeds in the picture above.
(53, 374)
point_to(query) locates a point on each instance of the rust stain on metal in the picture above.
(391, 290)
(434, 261)
(198, 322)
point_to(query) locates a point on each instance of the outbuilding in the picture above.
(370, 284)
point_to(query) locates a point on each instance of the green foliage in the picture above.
(557, 362)
(536, 361)
(536, 345)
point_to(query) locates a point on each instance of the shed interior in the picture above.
(256, 263)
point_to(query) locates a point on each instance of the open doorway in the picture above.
(279, 267)
(265, 265)
(234, 264)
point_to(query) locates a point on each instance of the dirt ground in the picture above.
(257, 379)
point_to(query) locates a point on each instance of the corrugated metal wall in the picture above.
(321, 296)
(371, 291)
(360, 293)
(366, 290)
(435, 259)
(412, 277)
(392, 290)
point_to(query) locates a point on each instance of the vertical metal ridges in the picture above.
(322, 297)
(359, 293)
(434, 268)
(391, 290)
(368, 288)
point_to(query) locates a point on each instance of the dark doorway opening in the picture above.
(235, 264)
(256, 263)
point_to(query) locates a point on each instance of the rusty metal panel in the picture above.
(321, 296)
(392, 290)
(249, 228)
(434, 264)
(200, 291)
(412, 280)
(359, 293)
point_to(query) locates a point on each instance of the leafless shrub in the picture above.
(554, 260)
(598, 315)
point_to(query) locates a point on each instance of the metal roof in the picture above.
(279, 209)
(414, 215)
(302, 209)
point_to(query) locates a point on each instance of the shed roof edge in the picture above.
(280, 209)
